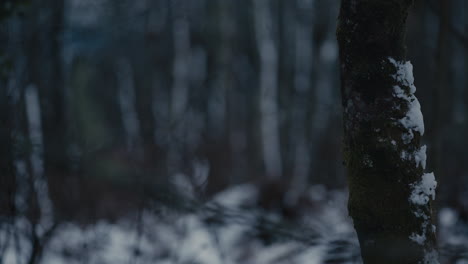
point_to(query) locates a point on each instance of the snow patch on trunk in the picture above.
(424, 190)
(413, 121)
(420, 157)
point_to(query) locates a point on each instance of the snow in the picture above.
(414, 118)
(404, 73)
(420, 157)
(421, 214)
(198, 245)
(420, 239)
(274, 253)
(178, 237)
(431, 257)
(407, 137)
(413, 121)
(424, 190)
(405, 155)
(237, 196)
(398, 92)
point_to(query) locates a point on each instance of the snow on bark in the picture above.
(424, 190)
(413, 121)
(420, 157)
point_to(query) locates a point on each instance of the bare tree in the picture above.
(302, 86)
(180, 87)
(7, 179)
(264, 30)
(390, 195)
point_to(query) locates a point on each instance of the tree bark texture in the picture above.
(390, 195)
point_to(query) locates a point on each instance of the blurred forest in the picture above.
(202, 131)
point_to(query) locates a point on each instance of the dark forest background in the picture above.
(121, 119)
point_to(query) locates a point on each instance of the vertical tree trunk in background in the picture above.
(390, 195)
(302, 87)
(268, 96)
(7, 177)
(443, 87)
(127, 102)
(180, 86)
(43, 49)
(227, 95)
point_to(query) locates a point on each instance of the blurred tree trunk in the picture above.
(442, 94)
(43, 31)
(7, 177)
(302, 86)
(390, 195)
(127, 103)
(268, 95)
(222, 151)
(180, 88)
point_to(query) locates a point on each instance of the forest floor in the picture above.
(228, 229)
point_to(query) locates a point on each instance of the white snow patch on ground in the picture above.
(191, 237)
(274, 253)
(198, 245)
(237, 195)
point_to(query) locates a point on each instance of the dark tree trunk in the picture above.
(442, 88)
(390, 195)
(43, 48)
(7, 177)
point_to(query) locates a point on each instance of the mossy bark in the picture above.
(369, 33)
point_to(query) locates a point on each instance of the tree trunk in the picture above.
(7, 176)
(47, 122)
(268, 98)
(442, 88)
(179, 107)
(303, 56)
(390, 195)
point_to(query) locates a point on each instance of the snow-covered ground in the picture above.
(226, 230)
